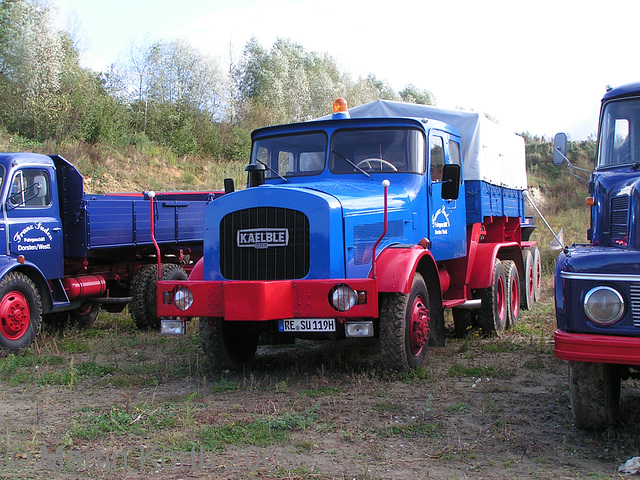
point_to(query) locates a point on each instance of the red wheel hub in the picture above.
(15, 315)
(515, 297)
(501, 300)
(419, 326)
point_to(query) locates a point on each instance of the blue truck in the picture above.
(597, 285)
(65, 252)
(368, 223)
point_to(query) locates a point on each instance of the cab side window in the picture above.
(436, 158)
(30, 189)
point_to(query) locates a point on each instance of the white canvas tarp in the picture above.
(490, 153)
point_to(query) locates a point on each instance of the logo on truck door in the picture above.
(261, 238)
(440, 221)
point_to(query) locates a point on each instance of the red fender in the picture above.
(197, 272)
(396, 267)
(485, 258)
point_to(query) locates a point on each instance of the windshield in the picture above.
(291, 155)
(378, 150)
(620, 133)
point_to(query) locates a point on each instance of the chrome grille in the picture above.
(619, 228)
(278, 262)
(634, 293)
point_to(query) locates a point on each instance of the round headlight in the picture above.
(603, 305)
(183, 298)
(343, 297)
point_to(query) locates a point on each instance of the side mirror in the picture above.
(450, 181)
(559, 148)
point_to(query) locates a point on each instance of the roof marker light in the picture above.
(340, 108)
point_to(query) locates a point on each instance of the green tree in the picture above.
(412, 94)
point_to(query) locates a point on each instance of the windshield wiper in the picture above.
(272, 170)
(350, 163)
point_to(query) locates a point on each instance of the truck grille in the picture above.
(264, 261)
(619, 228)
(634, 293)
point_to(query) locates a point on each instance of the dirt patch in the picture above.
(481, 408)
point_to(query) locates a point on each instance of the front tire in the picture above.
(20, 311)
(404, 327)
(143, 307)
(595, 394)
(227, 345)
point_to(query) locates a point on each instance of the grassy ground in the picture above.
(111, 402)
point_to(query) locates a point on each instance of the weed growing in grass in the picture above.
(224, 385)
(458, 407)
(321, 391)
(137, 420)
(263, 431)
(410, 430)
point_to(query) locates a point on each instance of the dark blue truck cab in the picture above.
(597, 285)
(63, 252)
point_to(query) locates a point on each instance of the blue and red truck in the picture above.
(65, 252)
(368, 223)
(597, 285)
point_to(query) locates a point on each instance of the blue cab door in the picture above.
(447, 218)
(33, 220)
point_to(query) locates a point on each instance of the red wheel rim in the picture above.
(515, 297)
(15, 315)
(501, 300)
(530, 278)
(419, 326)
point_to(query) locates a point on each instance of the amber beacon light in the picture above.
(340, 109)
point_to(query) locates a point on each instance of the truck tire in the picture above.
(537, 273)
(20, 311)
(84, 316)
(226, 344)
(527, 281)
(463, 321)
(492, 314)
(595, 394)
(404, 326)
(513, 292)
(143, 288)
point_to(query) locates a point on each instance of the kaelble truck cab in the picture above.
(597, 285)
(367, 223)
(65, 252)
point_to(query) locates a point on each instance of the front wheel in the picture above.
(143, 307)
(595, 394)
(404, 327)
(227, 345)
(20, 311)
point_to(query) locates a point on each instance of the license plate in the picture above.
(307, 325)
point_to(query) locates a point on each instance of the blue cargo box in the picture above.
(487, 200)
(111, 221)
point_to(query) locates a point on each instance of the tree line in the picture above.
(166, 93)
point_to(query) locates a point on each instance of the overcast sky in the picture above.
(537, 66)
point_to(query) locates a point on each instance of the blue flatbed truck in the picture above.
(65, 252)
(368, 223)
(597, 285)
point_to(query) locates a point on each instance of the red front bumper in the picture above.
(578, 347)
(265, 300)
